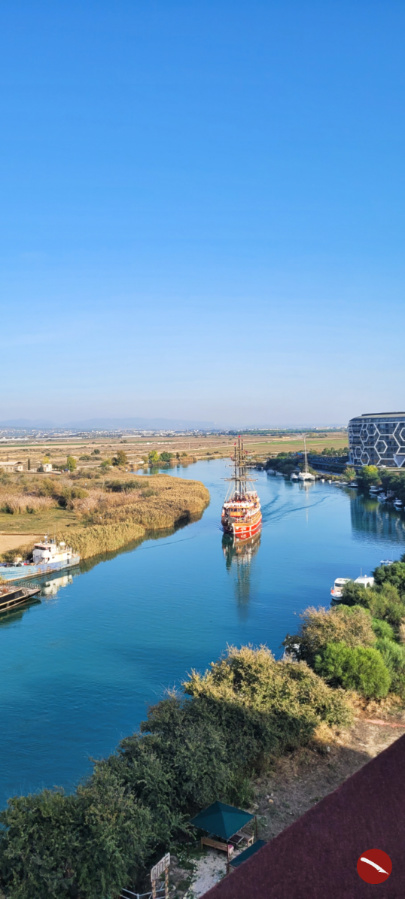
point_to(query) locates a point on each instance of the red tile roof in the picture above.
(316, 857)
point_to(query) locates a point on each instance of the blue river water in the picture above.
(79, 669)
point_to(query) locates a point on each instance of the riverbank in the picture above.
(94, 516)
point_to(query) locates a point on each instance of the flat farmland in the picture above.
(89, 452)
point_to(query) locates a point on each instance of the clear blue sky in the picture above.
(202, 209)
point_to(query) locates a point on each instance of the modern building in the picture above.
(377, 439)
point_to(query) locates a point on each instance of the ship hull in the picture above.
(21, 572)
(242, 530)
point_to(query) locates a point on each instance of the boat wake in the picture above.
(280, 512)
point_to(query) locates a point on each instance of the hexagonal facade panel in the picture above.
(377, 439)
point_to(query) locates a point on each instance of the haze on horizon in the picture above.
(202, 211)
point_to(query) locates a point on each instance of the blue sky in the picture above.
(202, 210)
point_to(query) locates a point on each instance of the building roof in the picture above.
(317, 856)
(222, 820)
(380, 415)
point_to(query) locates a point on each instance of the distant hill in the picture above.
(106, 424)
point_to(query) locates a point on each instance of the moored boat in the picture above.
(47, 556)
(241, 512)
(11, 597)
(363, 580)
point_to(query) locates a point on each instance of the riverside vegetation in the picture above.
(92, 512)
(207, 742)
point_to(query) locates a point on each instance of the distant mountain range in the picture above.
(107, 424)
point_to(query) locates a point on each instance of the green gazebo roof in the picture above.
(222, 820)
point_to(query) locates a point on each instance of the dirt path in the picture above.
(14, 541)
(302, 778)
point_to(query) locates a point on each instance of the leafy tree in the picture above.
(367, 476)
(382, 628)
(392, 574)
(120, 459)
(290, 693)
(319, 627)
(349, 473)
(71, 463)
(38, 846)
(165, 457)
(106, 464)
(153, 457)
(362, 669)
(394, 658)
(87, 845)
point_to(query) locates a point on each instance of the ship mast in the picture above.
(239, 460)
(305, 456)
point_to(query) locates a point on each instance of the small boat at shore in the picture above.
(305, 474)
(47, 557)
(337, 589)
(12, 597)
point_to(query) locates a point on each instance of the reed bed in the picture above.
(95, 519)
(15, 504)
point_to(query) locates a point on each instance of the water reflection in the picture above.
(238, 558)
(50, 588)
(368, 515)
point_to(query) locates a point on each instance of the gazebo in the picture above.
(224, 825)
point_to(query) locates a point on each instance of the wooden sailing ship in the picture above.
(241, 513)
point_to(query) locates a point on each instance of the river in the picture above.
(79, 669)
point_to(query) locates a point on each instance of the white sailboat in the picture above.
(305, 475)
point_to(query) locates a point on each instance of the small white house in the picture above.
(46, 466)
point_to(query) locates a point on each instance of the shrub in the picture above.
(84, 845)
(120, 459)
(391, 574)
(394, 659)
(362, 669)
(280, 703)
(320, 627)
(71, 463)
(382, 628)
(123, 486)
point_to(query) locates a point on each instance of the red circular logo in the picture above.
(374, 866)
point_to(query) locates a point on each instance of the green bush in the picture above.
(391, 574)
(394, 659)
(124, 486)
(382, 628)
(352, 625)
(362, 669)
(86, 845)
(289, 693)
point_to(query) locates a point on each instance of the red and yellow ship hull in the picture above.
(241, 528)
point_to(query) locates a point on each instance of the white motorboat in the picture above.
(338, 585)
(337, 589)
